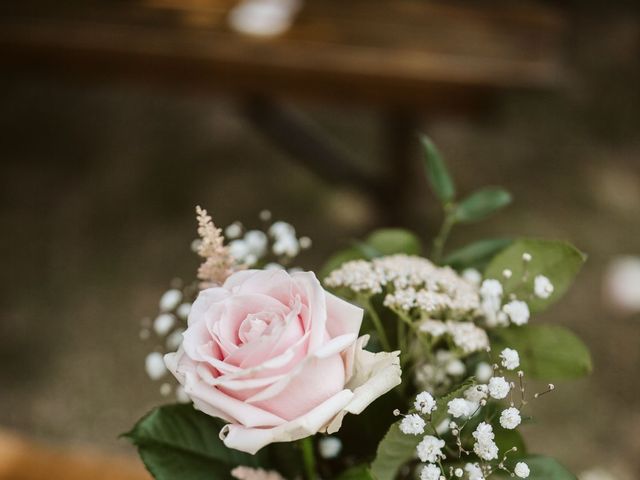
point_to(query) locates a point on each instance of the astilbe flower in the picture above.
(218, 263)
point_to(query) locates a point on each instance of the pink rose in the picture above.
(277, 357)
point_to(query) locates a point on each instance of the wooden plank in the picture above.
(388, 52)
(21, 459)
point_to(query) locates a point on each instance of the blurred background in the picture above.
(119, 117)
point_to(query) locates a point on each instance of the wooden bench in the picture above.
(407, 58)
(21, 459)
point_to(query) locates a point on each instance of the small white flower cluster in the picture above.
(465, 335)
(460, 411)
(514, 311)
(167, 327)
(412, 284)
(440, 372)
(253, 246)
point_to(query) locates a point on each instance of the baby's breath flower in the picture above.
(518, 311)
(499, 388)
(154, 365)
(412, 424)
(233, 231)
(483, 433)
(425, 403)
(256, 242)
(510, 418)
(430, 472)
(459, 408)
(170, 300)
(474, 471)
(510, 359)
(542, 286)
(486, 450)
(476, 394)
(183, 310)
(521, 470)
(484, 372)
(455, 368)
(282, 229)
(329, 447)
(164, 323)
(429, 449)
(458, 472)
(286, 245)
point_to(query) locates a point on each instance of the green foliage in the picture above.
(387, 241)
(558, 261)
(177, 441)
(360, 472)
(477, 254)
(337, 259)
(481, 204)
(384, 241)
(507, 439)
(437, 172)
(397, 448)
(547, 352)
(542, 468)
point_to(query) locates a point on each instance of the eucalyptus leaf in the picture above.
(389, 241)
(481, 204)
(177, 441)
(437, 172)
(560, 262)
(547, 352)
(477, 254)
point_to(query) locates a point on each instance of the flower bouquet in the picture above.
(384, 365)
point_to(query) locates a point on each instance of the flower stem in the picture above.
(377, 323)
(443, 234)
(309, 458)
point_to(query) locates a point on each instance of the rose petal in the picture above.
(375, 374)
(251, 440)
(241, 412)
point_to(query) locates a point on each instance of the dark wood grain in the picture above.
(383, 52)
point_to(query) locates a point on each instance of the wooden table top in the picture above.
(389, 52)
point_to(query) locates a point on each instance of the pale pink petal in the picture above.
(251, 440)
(241, 412)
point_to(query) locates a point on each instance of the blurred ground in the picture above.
(98, 186)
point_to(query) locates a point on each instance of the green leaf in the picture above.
(547, 468)
(437, 173)
(337, 259)
(547, 352)
(477, 254)
(388, 241)
(481, 204)
(507, 439)
(560, 262)
(360, 472)
(397, 448)
(384, 241)
(177, 441)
